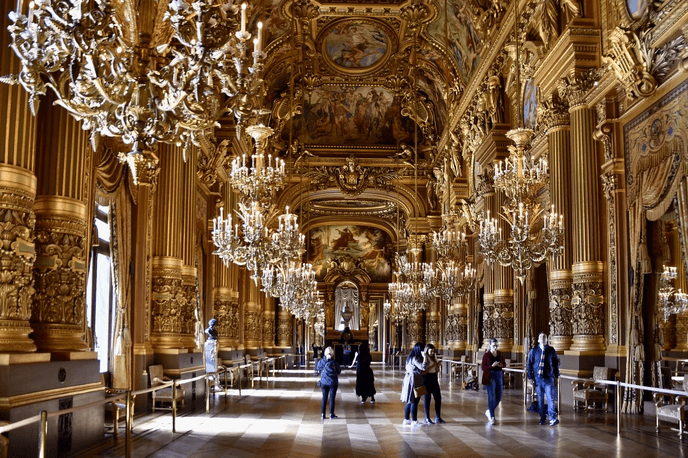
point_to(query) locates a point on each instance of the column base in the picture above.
(14, 336)
(167, 340)
(561, 343)
(58, 337)
(586, 344)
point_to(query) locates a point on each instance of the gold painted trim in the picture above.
(60, 206)
(502, 293)
(223, 291)
(167, 262)
(143, 349)
(74, 355)
(7, 359)
(171, 351)
(587, 267)
(178, 372)
(18, 177)
(49, 395)
(488, 296)
(561, 275)
(188, 271)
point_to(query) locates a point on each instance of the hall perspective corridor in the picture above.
(281, 418)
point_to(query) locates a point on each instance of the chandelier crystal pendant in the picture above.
(521, 179)
(671, 302)
(126, 75)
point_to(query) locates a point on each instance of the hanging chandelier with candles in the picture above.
(671, 302)
(449, 280)
(521, 179)
(128, 75)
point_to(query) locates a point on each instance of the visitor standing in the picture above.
(432, 386)
(365, 379)
(329, 380)
(415, 364)
(543, 367)
(493, 378)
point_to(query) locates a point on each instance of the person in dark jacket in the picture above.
(543, 367)
(365, 379)
(329, 380)
(493, 378)
(432, 386)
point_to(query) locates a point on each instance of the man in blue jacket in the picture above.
(543, 367)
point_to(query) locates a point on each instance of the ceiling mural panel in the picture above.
(367, 247)
(275, 24)
(458, 34)
(355, 44)
(353, 116)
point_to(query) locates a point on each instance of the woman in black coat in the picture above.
(365, 380)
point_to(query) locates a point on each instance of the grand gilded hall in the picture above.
(332, 173)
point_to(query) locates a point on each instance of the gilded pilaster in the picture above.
(503, 312)
(253, 316)
(588, 271)
(554, 115)
(169, 304)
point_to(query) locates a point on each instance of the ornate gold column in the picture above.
(285, 328)
(225, 291)
(62, 214)
(18, 186)
(555, 117)
(588, 270)
(488, 328)
(461, 318)
(414, 329)
(503, 312)
(268, 322)
(188, 240)
(168, 304)
(253, 315)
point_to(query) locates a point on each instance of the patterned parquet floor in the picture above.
(281, 418)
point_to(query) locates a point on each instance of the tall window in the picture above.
(99, 292)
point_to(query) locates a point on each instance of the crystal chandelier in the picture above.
(135, 76)
(262, 177)
(450, 244)
(671, 302)
(521, 179)
(296, 286)
(449, 280)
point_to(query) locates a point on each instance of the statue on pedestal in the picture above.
(211, 347)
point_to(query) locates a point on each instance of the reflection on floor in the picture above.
(281, 418)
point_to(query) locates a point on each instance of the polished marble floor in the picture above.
(281, 418)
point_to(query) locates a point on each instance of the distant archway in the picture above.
(347, 293)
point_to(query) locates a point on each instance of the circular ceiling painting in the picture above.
(356, 45)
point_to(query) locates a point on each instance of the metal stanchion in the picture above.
(225, 369)
(42, 433)
(174, 406)
(129, 425)
(618, 407)
(207, 394)
(558, 396)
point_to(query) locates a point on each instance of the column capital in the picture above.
(574, 88)
(553, 114)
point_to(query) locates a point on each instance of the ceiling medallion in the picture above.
(357, 46)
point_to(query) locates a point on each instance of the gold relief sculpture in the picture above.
(609, 186)
(60, 282)
(682, 331)
(17, 256)
(284, 331)
(503, 316)
(269, 329)
(167, 301)
(488, 311)
(574, 88)
(351, 178)
(253, 328)
(461, 326)
(414, 329)
(553, 113)
(638, 66)
(587, 304)
(560, 324)
(432, 329)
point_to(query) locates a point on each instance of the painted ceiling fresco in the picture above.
(455, 29)
(352, 44)
(368, 245)
(352, 115)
